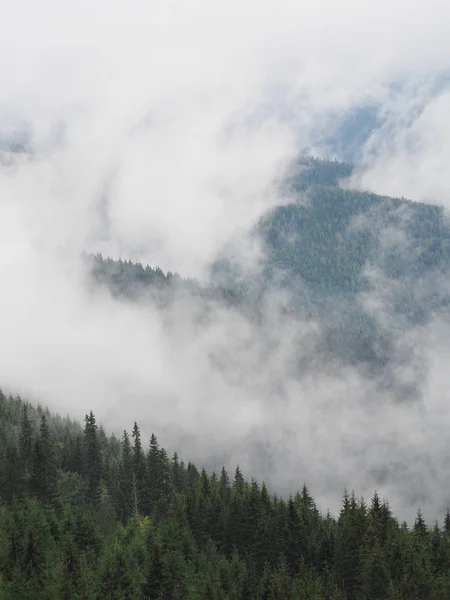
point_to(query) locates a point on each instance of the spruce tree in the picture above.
(44, 472)
(92, 457)
(139, 473)
(178, 475)
(153, 457)
(124, 496)
(224, 486)
(447, 521)
(26, 441)
(165, 489)
(138, 455)
(376, 581)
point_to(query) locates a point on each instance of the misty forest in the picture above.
(87, 513)
(224, 300)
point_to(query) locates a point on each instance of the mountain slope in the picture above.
(83, 515)
(331, 244)
(365, 266)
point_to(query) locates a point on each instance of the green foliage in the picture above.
(128, 280)
(328, 236)
(84, 535)
(92, 457)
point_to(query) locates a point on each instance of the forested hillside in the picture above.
(85, 515)
(325, 244)
(133, 281)
(331, 234)
(332, 249)
(332, 246)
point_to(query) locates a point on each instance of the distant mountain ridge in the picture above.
(331, 241)
(334, 251)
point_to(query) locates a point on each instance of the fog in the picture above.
(160, 131)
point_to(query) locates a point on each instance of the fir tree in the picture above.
(44, 471)
(26, 440)
(178, 475)
(124, 496)
(92, 458)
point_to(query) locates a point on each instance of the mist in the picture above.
(159, 132)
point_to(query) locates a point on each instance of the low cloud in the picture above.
(160, 131)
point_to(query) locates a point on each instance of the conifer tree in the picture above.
(224, 486)
(420, 528)
(193, 475)
(33, 560)
(139, 473)
(348, 545)
(438, 552)
(10, 473)
(44, 471)
(138, 455)
(153, 586)
(178, 474)
(116, 575)
(376, 581)
(106, 515)
(26, 440)
(238, 482)
(92, 458)
(164, 478)
(70, 573)
(447, 521)
(153, 464)
(75, 454)
(124, 496)
(295, 542)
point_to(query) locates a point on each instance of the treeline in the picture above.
(328, 239)
(134, 281)
(86, 515)
(352, 337)
(328, 248)
(310, 170)
(329, 242)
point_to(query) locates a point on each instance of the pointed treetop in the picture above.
(447, 520)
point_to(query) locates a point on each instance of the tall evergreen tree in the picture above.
(92, 457)
(26, 440)
(138, 455)
(124, 495)
(153, 459)
(376, 581)
(178, 475)
(139, 473)
(44, 472)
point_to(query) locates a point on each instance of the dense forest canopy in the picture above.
(331, 237)
(331, 234)
(86, 515)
